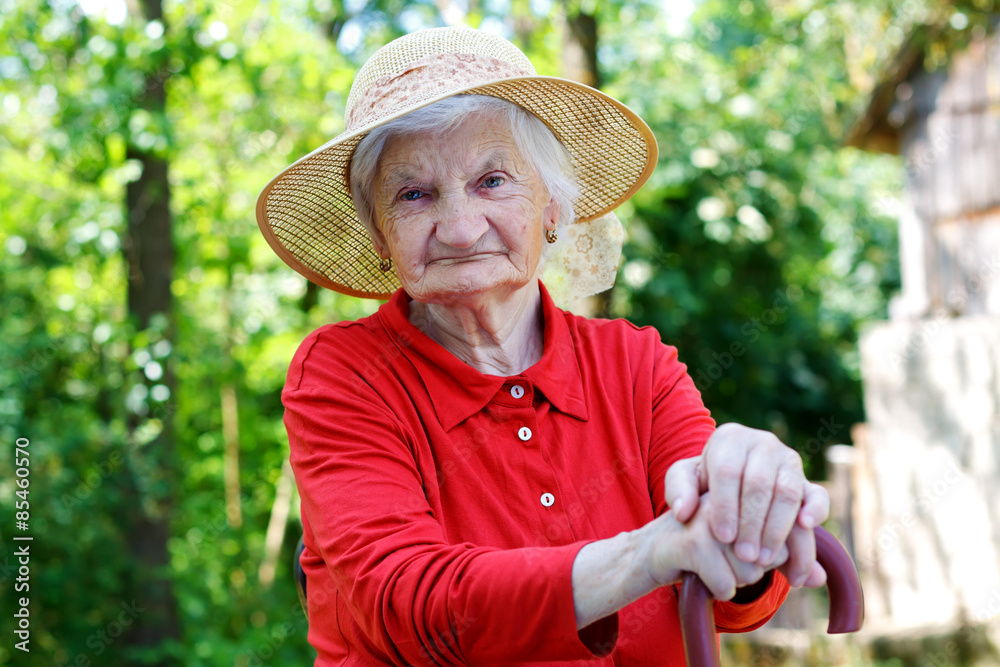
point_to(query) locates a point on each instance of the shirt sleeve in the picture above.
(735, 617)
(681, 423)
(681, 427)
(418, 598)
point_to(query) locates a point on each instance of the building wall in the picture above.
(950, 226)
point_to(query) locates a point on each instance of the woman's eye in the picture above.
(411, 195)
(492, 181)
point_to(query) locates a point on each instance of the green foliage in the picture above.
(754, 215)
(756, 250)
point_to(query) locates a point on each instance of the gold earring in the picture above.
(385, 265)
(550, 235)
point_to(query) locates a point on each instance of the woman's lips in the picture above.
(458, 259)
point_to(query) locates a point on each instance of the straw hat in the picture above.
(306, 212)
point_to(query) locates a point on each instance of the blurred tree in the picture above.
(579, 45)
(754, 249)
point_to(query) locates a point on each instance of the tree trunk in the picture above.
(230, 413)
(579, 57)
(231, 455)
(283, 495)
(148, 249)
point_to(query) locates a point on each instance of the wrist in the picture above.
(653, 551)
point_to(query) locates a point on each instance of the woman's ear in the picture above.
(381, 248)
(378, 241)
(550, 216)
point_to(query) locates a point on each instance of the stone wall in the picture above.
(927, 474)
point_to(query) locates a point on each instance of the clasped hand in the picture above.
(739, 509)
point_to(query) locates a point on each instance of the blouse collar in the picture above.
(458, 390)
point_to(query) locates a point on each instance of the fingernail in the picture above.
(797, 581)
(765, 556)
(807, 522)
(746, 552)
(676, 505)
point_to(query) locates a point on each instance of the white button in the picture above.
(524, 433)
(548, 499)
(517, 391)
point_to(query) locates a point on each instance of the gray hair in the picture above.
(533, 138)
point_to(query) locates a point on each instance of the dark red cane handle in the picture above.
(847, 602)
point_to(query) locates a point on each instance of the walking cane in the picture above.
(847, 603)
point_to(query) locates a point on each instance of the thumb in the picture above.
(681, 488)
(815, 506)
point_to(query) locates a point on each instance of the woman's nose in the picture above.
(460, 223)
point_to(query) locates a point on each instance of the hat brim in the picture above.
(308, 218)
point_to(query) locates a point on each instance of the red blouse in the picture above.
(443, 508)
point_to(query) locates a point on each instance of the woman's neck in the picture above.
(495, 334)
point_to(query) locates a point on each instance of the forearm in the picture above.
(610, 574)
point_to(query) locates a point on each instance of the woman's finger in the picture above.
(789, 488)
(755, 502)
(745, 573)
(817, 576)
(780, 558)
(815, 506)
(714, 569)
(801, 555)
(725, 457)
(681, 488)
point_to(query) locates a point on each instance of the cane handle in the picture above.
(847, 602)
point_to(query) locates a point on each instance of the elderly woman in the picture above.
(485, 478)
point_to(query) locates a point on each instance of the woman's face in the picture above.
(460, 215)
